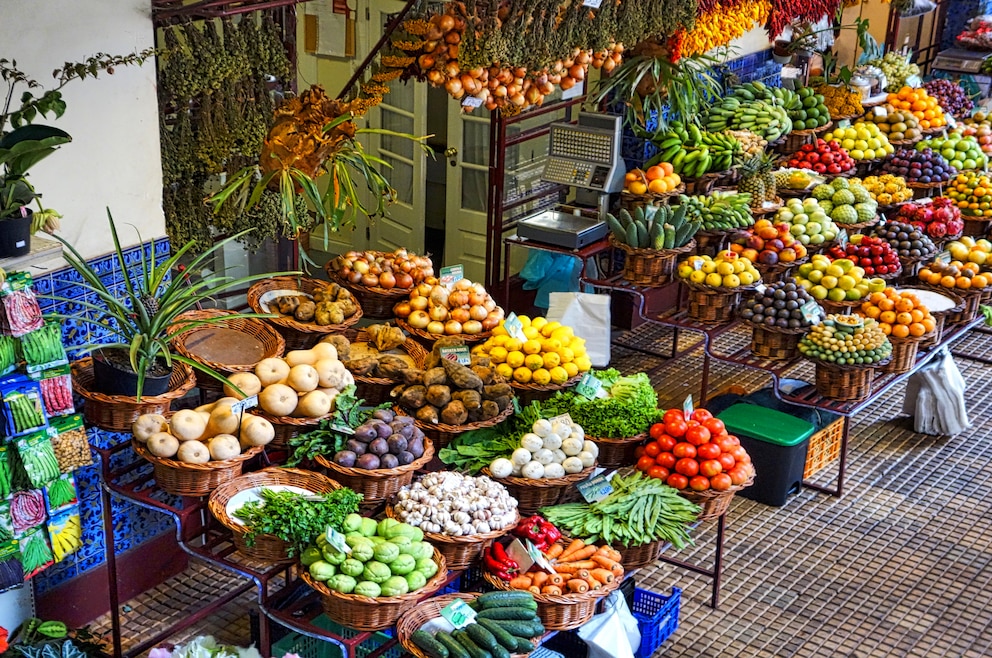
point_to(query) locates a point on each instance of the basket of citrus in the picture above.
(538, 357)
(715, 285)
(904, 319)
(963, 279)
(923, 106)
(652, 186)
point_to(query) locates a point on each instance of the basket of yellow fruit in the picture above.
(654, 186)
(888, 191)
(715, 285)
(537, 356)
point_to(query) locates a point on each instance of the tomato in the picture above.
(715, 426)
(697, 436)
(727, 460)
(673, 413)
(738, 475)
(638, 452)
(659, 472)
(676, 427)
(733, 440)
(708, 451)
(724, 442)
(710, 467)
(687, 467)
(699, 483)
(644, 463)
(740, 454)
(684, 450)
(721, 482)
(656, 430)
(652, 449)
(666, 459)
(666, 443)
(701, 415)
(677, 480)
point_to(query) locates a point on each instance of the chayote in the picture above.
(427, 566)
(377, 540)
(377, 572)
(334, 556)
(363, 552)
(415, 580)
(385, 525)
(403, 564)
(395, 586)
(386, 552)
(413, 548)
(401, 541)
(424, 551)
(369, 527)
(417, 535)
(342, 583)
(311, 555)
(352, 523)
(368, 588)
(352, 567)
(322, 571)
(354, 538)
(398, 530)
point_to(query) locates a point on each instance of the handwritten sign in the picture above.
(458, 613)
(451, 274)
(459, 353)
(243, 405)
(811, 311)
(589, 386)
(596, 488)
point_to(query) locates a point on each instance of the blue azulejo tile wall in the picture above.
(59, 292)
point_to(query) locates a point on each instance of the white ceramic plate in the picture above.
(245, 496)
(267, 297)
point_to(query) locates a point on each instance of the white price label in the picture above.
(471, 101)
(243, 405)
(592, 3)
(811, 311)
(451, 274)
(595, 488)
(514, 327)
(687, 407)
(564, 418)
(337, 540)
(457, 353)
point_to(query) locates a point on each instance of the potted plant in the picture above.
(145, 316)
(24, 144)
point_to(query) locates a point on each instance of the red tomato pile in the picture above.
(695, 454)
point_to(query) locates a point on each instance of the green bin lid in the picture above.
(766, 424)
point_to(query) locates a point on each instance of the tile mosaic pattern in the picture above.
(132, 525)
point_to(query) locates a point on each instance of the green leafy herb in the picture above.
(329, 436)
(296, 518)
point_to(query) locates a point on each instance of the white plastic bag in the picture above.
(589, 317)
(935, 398)
(609, 635)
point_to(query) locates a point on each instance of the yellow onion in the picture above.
(452, 70)
(578, 72)
(454, 87)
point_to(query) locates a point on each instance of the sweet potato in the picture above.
(485, 374)
(471, 399)
(489, 409)
(361, 366)
(305, 311)
(411, 376)
(427, 414)
(438, 395)
(462, 376)
(496, 391)
(454, 413)
(434, 376)
(503, 402)
(414, 397)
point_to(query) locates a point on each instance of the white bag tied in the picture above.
(589, 317)
(614, 633)
(935, 398)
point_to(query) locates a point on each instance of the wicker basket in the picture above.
(287, 427)
(709, 305)
(532, 495)
(617, 452)
(797, 138)
(843, 308)
(298, 335)
(267, 548)
(182, 479)
(779, 271)
(708, 243)
(866, 168)
(462, 551)
(364, 613)
(562, 612)
(118, 412)
(824, 447)
(650, 267)
(378, 485)
(426, 338)
(924, 190)
(631, 202)
(903, 354)
(775, 206)
(715, 504)
(933, 338)
(375, 390)
(527, 393)
(859, 227)
(845, 383)
(273, 344)
(441, 434)
(775, 342)
(976, 228)
(642, 555)
(376, 303)
(966, 311)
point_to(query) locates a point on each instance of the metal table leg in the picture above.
(841, 467)
(110, 552)
(716, 572)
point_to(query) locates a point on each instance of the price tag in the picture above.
(951, 121)
(450, 274)
(595, 488)
(514, 328)
(336, 540)
(687, 407)
(589, 386)
(697, 264)
(844, 123)
(241, 405)
(811, 311)
(880, 112)
(760, 288)
(945, 256)
(471, 101)
(538, 557)
(841, 237)
(564, 418)
(457, 353)
(592, 3)
(458, 613)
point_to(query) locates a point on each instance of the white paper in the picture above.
(589, 317)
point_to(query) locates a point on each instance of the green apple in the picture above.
(836, 295)
(817, 238)
(815, 276)
(829, 281)
(818, 292)
(853, 295)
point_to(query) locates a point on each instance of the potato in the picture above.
(454, 413)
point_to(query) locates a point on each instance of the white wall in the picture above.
(113, 159)
(751, 42)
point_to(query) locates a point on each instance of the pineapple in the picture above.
(768, 177)
(151, 304)
(752, 182)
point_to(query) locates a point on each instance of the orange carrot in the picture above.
(583, 553)
(551, 589)
(555, 551)
(540, 578)
(583, 574)
(605, 562)
(521, 582)
(577, 585)
(556, 579)
(593, 583)
(572, 567)
(604, 576)
(534, 590)
(575, 545)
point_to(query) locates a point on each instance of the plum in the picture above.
(368, 462)
(345, 458)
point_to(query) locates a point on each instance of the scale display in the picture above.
(958, 60)
(587, 154)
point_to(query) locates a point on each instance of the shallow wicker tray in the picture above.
(927, 186)
(375, 302)
(650, 267)
(376, 485)
(843, 307)
(562, 612)
(846, 117)
(375, 390)
(846, 383)
(441, 434)
(642, 555)
(902, 143)
(286, 427)
(775, 207)
(714, 504)
(429, 338)
(462, 551)
(118, 412)
(532, 495)
(182, 479)
(298, 335)
(530, 391)
(365, 613)
(859, 225)
(267, 548)
(617, 451)
(629, 200)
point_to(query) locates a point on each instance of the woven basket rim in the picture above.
(652, 253)
(857, 366)
(780, 266)
(651, 196)
(458, 429)
(178, 339)
(543, 483)
(959, 301)
(622, 440)
(271, 475)
(432, 537)
(183, 466)
(568, 383)
(906, 142)
(426, 335)
(710, 494)
(719, 233)
(82, 370)
(913, 260)
(412, 348)
(927, 186)
(934, 131)
(290, 420)
(846, 117)
(963, 294)
(572, 598)
(335, 276)
(256, 291)
(896, 340)
(775, 207)
(870, 222)
(847, 303)
(429, 588)
(379, 473)
(717, 290)
(774, 329)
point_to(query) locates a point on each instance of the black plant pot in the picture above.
(112, 375)
(15, 236)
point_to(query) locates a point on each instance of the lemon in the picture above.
(566, 355)
(725, 268)
(740, 265)
(532, 347)
(714, 279)
(530, 333)
(551, 345)
(541, 377)
(685, 271)
(729, 281)
(515, 359)
(698, 276)
(481, 349)
(498, 340)
(524, 320)
(570, 368)
(551, 359)
(513, 345)
(498, 354)
(504, 370)
(746, 278)
(500, 330)
(550, 328)
(709, 267)
(533, 361)
(583, 363)
(559, 375)
(538, 322)
(564, 334)
(521, 375)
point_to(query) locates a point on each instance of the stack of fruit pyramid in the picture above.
(758, 180)
(846, 202)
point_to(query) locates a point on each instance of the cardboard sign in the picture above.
(592, 3)
(242, 405)
(514, 327)
(451, 274)
(596, 488)
(458, 613)
(811, 311)
(565, 418)
(527, 555)
(473, 102)
(459, 353)
(589, 386)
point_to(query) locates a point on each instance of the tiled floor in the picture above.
(899, 566)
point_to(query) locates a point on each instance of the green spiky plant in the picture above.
(145, 317)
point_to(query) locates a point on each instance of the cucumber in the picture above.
(523, 644)
(521, 628)
(625, 219)
(514, 599)
(642, 235)
(474, 650)
(657, 236)
(616, 227)
(631, 239)
(482, 637)
(669, 237)
(455, 649)
(426, 643)
(522, 614)
(504, 637)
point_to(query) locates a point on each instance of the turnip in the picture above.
(521, 457)
(533, 470)
(531, 442)
(554, 471)
(572, 465)
(501, 468)
(541, 427)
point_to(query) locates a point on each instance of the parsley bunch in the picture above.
(296, 518)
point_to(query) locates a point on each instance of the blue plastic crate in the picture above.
(657, 618)
(452, 587)
(308, 647)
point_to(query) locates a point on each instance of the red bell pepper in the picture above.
(533, 528)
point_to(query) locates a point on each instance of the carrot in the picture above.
(555, 551)
(556, 579)
(610, 552)
(583, 553)
(593, 583)
(607, 563)
(551, 589)
(572, 567)
(577, 585)
(575, 545)
(540, 578)
(583, 574)
(604, 576)
(534, 590)
(521, 582)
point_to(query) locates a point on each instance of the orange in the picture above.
(963, 282)
(667, 167)
(632, 175)
(974, 267)
(979, 281)
(917, 329)
(929, 324)
(872, 312)
(904, 305)
(655, 173)
(947, 281)
(888, 317)
(885, 327)
(900, 331)
(876, 297)
(904, 318)
(637, 187)
(917, 315)
(658, 185)
(886, 304)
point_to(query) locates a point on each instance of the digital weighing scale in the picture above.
(959, 62)
(584, 156)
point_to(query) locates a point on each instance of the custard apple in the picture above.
(822, 192)
(843, 198)
(865, 211)
(861, 195)
(827, 206)
(840, 183)
(844, 215)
